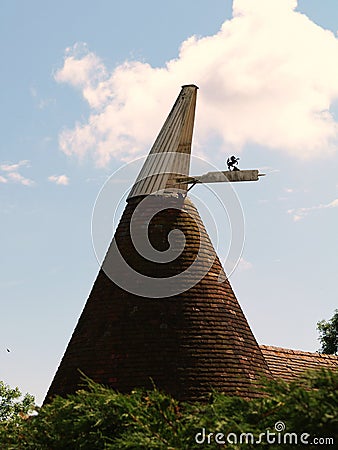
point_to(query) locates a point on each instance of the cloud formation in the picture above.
(59, 179)
(269, 77)
(299, 213)
(13, 167)
(11, 173)
(243, 264)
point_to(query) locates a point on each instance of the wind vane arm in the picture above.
(222, 176)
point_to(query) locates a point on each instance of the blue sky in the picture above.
(72, 112)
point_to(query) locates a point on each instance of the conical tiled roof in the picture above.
(160, 309)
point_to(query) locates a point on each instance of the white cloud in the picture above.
(12, 174)
(41, 103)
(59, 179)
(269, 76)
(244, 265)
(33, 91)
(299, 213)
(8, 167)
(18, 178)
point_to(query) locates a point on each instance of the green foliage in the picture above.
(11, 406)
(328, 334)
(99, 418)
(14, 410)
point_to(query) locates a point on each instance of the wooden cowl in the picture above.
(188, 343)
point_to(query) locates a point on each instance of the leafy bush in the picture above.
(328, 334)
(99, 418)
(11, 404)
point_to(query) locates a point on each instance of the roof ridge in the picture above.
(292, 351)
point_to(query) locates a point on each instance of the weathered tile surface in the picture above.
(187, 344)
(289, 364)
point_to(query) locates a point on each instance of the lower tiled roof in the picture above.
(288, 364)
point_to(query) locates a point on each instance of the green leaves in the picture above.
(10, 404)
(14, 412)
(328, 335)
(100, 418)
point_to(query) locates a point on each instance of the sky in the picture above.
(85, 90)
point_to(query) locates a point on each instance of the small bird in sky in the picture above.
(8, 350)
